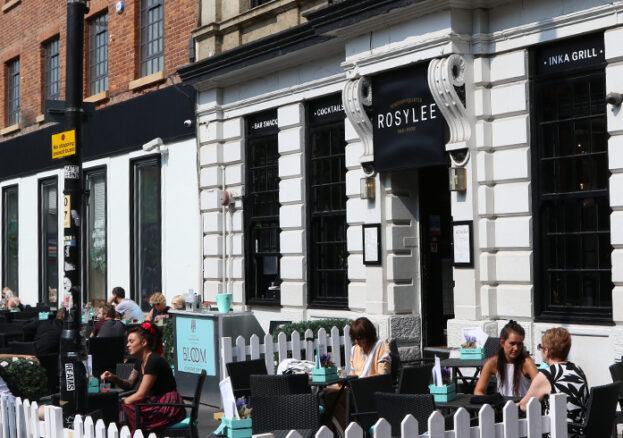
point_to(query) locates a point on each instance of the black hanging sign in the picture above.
(263, 123)
(584, 52)
(326, 110)
(407, 126)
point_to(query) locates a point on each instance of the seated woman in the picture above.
(12, 301)
(562, 376)
(512, 367)
(156, 383)
(159, 309)
(370, 356)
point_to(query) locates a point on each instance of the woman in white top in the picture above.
(512, 367)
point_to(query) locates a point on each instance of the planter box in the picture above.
(444, 393)
(237, 428)
(324, 374)
(472, 353)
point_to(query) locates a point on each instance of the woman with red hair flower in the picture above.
(156, 383)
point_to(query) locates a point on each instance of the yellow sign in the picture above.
(64, 144)
(67, 211)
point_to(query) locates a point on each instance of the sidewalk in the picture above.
(207, 423)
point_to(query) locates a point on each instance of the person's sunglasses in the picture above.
(541, 347)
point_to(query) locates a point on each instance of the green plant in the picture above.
(167, 341)
(25, 378)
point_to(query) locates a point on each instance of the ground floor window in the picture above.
(96, 261)
(572, 224)
(262, 279)
(326, 183)
(147, 230)
(10, 233)
(48, 240)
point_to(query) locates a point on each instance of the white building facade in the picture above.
(344, 214)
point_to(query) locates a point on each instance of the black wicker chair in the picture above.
(19, 347)
(616, 371)
(600, 412)
(285, 412)
(106, 354)
(415, 379)
(361, 405)
(279, 385)
(239, 373)
(491, 347)
(188, 426)
(394, 407)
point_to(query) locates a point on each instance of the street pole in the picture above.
(73, 378)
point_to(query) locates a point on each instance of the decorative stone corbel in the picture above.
(356, 96)
(444, 75)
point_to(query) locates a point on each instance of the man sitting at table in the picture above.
(107, 326)
(125, 307)
(513, 368)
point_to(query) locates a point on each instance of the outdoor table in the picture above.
(463, 401)
(455, 365)
(343, 382)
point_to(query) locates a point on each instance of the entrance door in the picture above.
(435, 255)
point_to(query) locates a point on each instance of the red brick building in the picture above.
(138, 150)
(29, 34)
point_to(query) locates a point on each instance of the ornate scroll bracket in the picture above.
(444, 75)
(356, 97)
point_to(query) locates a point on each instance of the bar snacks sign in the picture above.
(407, 126)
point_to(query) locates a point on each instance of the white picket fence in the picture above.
(300, 348)
(21, 420)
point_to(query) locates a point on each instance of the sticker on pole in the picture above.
(69, 376)
(64, 144)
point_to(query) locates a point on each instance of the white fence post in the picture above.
(254, 346)
(486, 421)
(511, 420)
(100, 429)
(20, 422)
(409, 426)
(226, 355)
(436, 425)
(534, 419)
(125, 432)
(558, 413)
(324, 432)
(89, 428)
(296, 345)
(269, 354)
(353, 431)
(461, 423)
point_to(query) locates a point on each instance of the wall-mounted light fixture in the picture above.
(367, 188)
(458, 181)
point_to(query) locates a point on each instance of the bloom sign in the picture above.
(195, 350)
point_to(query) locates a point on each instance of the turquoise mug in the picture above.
(223, 302)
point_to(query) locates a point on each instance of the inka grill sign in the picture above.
(407, 125)
(571, 54)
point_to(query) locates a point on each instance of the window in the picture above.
(572, 214)
(326, 209)
(98, 54)
(13, 90)
(48, 243)
(152, 36)
(255, 3)
(52, 82)
(262, 210)
(146, 226)
(96, 261)
(10, 233)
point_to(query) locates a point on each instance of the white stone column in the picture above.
(292, 199)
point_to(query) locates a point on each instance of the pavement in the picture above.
(207, 423)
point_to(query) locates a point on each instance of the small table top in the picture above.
(331, 382)
(455, 362)
(464, 401)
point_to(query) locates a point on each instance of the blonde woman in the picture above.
(178, 302)
(159, 309)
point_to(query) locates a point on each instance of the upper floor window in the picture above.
(152, 36)
(255, 3)
(52, 67)
(98, 54)
(13, 92)
(570, 187)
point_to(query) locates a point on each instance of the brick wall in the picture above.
(25, 29)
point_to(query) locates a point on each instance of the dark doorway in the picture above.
(435, 255)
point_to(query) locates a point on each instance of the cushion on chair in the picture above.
(185, 423)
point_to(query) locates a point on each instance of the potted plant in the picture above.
(325, 370)
(25, 378)
(238, 427)
(446, 391)
(470, 349)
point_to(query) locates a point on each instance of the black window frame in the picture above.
(563, 312)
(271, 297)
(98, 54)
(86, 256)
(6, 191)
(256, 3)
(52, 69)
(135, 293)
(151, 61)
(44, 295)
(13, 91)
(320, 217)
